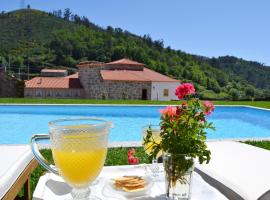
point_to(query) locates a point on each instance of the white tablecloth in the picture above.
(52, 187)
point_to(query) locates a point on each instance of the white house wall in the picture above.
(158, 90)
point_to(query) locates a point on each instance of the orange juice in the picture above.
(79, 159)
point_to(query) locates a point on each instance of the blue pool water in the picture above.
(18, 123)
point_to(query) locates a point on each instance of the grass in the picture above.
(261, 144)
(262, 104)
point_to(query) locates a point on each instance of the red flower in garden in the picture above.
(131, 159)
(131, 152)
(179, 111)
(208, 107)
(184, 89)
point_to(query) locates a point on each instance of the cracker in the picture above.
(130, 183)
(126, 189)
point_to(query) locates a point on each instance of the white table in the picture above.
(52, 187)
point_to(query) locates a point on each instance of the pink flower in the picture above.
(169, 111)
(184, 89)
(208, 107)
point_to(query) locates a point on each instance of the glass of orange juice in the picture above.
(155, 139)
(79, 149)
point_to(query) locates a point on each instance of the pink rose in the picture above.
(208, 107)
(184, 89)
(169, 111)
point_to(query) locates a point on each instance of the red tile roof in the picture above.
(125, 61)
(54, 70)
(146, 75)
(54, 83)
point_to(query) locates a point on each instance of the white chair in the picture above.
(17, 163)
(238, 170)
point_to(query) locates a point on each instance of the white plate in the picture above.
(109, 187)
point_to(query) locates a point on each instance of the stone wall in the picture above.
(53, 93)
(96, 88)
(124, 90)
(10, 86)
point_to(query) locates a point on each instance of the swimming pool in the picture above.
(19, 122)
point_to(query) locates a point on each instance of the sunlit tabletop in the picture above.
(52, 187)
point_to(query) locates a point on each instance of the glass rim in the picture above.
(55, 124)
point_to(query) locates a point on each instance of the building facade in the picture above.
(121, 79)
(68, 87)
(125, 79)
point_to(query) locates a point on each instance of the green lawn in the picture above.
(261, 144)
(263, 104)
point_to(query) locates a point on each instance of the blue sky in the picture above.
(204, 27)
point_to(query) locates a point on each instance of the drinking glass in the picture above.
(155, 129)
(79, 148)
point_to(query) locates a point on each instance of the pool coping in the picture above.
(139, 143)
(139, 105)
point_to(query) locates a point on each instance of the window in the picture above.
(166, 92)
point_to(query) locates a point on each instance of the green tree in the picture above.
(67, 14)
(235, 94)
(250, 91)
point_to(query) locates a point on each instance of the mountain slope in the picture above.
(43, 39)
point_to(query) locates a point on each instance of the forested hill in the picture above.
(60, 38)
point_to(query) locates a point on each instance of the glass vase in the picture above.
(178, 175)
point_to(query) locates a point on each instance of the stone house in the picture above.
(125, 79)
(121, 79)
